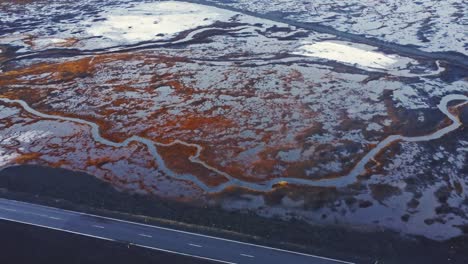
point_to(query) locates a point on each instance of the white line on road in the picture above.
(175, 230)
(41, 215)
(98, 226)
(195, 245)
(185, 254)
(8, 209)
(109, 239)
(53, 228)
(55, 218)
(144, 235)
(245, 255)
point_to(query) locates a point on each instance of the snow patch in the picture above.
(367, 57)
(48, 42)
(348, 54)
(153, 21)
(374, 127)
(7, 158)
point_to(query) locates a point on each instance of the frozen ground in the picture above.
(189, 101)
(429, 24)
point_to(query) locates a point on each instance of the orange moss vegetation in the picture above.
(30, 40)
(177, 157)
(116, 109)
(187, 123)
(98, 162)
(192, 122)
(457, 109)
(25, 158)
(62, 72)
(123, 184)
(69, 70)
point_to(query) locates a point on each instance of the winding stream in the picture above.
(341, 181)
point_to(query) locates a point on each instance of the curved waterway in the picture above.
(341, 181)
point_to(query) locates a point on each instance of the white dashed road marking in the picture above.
(195, 245)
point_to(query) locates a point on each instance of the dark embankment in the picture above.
(26, 244)
(81, 192)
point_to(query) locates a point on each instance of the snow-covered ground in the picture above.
(102, 26)
(152, 21)
(339, 51)
(365, 57)
(105, 24)
(432, 25)
(263, 98)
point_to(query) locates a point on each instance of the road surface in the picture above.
(153, 237)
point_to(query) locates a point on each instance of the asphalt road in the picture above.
(152, 237)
